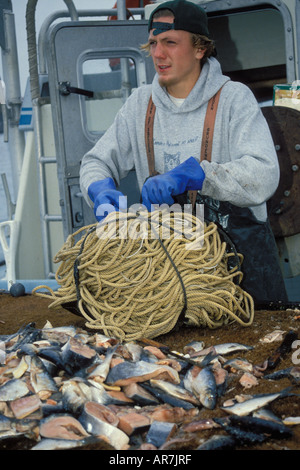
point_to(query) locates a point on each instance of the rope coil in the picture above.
(136, 275)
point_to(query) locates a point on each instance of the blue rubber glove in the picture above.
(185, 177)
(106, 198)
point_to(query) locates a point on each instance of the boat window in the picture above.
(111, 79)
(251, 48)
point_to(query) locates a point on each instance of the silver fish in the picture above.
(193, 347)
(127, 372)
(175, 390)
(13, 389)
(2, 352)
(64, 444)
(224, 348)
(61, 334)
(265, 413)
(135, 351)
(253, 404)
(77, 354)
(238, 364)
(75, 394)
(102, 369)
(99, 420)
(218, 442)
(101, 396)
(12, 427)
(203, 385)
(40, 378)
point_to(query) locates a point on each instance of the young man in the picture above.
(242, 172)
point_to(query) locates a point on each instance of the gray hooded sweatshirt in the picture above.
(244, 168)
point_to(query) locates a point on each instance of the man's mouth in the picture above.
(162, 68)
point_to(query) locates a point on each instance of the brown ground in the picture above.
(15, 312)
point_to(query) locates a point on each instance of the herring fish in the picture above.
(253, 404)
(222, 349)
(193, 347)
(167, 397)
(125, 373)
(203, 384)
(175, 390)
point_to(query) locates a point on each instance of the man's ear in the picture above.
(200, 53)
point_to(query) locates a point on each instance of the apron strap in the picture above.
(149, 137)
(207, 136)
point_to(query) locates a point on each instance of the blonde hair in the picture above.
(198, 40)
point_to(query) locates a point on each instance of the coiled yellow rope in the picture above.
(135, 275)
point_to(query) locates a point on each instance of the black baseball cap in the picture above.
(187, 16)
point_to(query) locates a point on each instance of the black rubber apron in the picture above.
(262, 276)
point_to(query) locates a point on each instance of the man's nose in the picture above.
(159, 50)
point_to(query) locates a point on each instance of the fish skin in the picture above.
(135, 351)
(60, 334)
(279, 374)
(65, 444)
(77, 355)
(262, 426)
(2, 352)
(13, 427)
(222, 349)
(140, 395)
(241, 436)
(22, 336)
(193, 346)
(13, 389)
(160, 432)
(125, 373)
(165, 397)
(265, 413)
(238, 364)
(40, 379)
(218, 442)
(102, 369)
(103, 397)
(253, 404)
(203, 385)
(95, 424)
(175, 390)
(74, 395)
(53, 354)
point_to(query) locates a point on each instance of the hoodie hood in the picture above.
(209, 82)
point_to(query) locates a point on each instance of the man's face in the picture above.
(175, 60)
